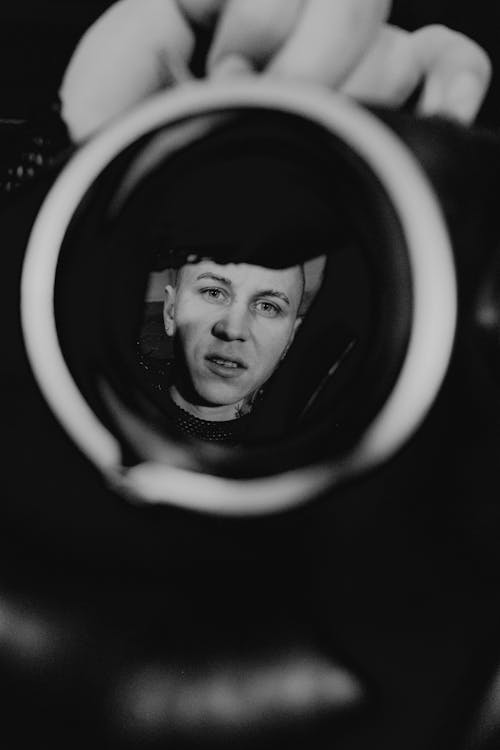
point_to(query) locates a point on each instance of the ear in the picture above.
(294, 331)
(169, 310)
(295, 328)
(292, 336)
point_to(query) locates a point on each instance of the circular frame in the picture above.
(432, 278)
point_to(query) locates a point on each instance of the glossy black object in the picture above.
(370, 617)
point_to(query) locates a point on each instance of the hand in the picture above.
(454, 71)
(141, 46)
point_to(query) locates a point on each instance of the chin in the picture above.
(221, 396)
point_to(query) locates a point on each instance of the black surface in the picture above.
(397, 577)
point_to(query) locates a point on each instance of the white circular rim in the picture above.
(433, 288)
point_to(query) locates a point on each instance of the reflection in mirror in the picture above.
(243, 297)
(215, 334)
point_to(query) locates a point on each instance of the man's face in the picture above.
(233, 323)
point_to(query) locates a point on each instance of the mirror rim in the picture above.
(433, 287)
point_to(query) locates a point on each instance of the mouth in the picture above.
(225, 366)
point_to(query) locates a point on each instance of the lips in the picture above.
(225, 366)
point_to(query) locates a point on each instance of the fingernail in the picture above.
(463, 97)
(231, 66)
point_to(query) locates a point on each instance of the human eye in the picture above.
(213, 294)
(268, 309)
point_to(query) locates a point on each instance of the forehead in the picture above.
(247, 278)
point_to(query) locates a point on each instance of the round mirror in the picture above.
(239, 296)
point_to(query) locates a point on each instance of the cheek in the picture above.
(192, 324)
(273, 342)
(190, 333)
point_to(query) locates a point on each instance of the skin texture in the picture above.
(138, 47)
(232, 326)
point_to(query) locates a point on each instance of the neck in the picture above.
(221, 413)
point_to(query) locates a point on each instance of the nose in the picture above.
(233, 324)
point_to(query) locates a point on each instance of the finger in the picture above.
(330, 39)
(389, 72)
(249, 32)
(201, 12)
(457, 73)
(135, 48)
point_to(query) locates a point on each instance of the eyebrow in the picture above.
(214, 277)
(264, 293)
(273, 293)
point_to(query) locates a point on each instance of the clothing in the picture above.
(158, 376)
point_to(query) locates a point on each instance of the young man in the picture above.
(232, 325)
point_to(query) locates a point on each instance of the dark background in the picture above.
(398, 577)
(38, 36)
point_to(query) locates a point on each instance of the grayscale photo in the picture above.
(251, 375)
